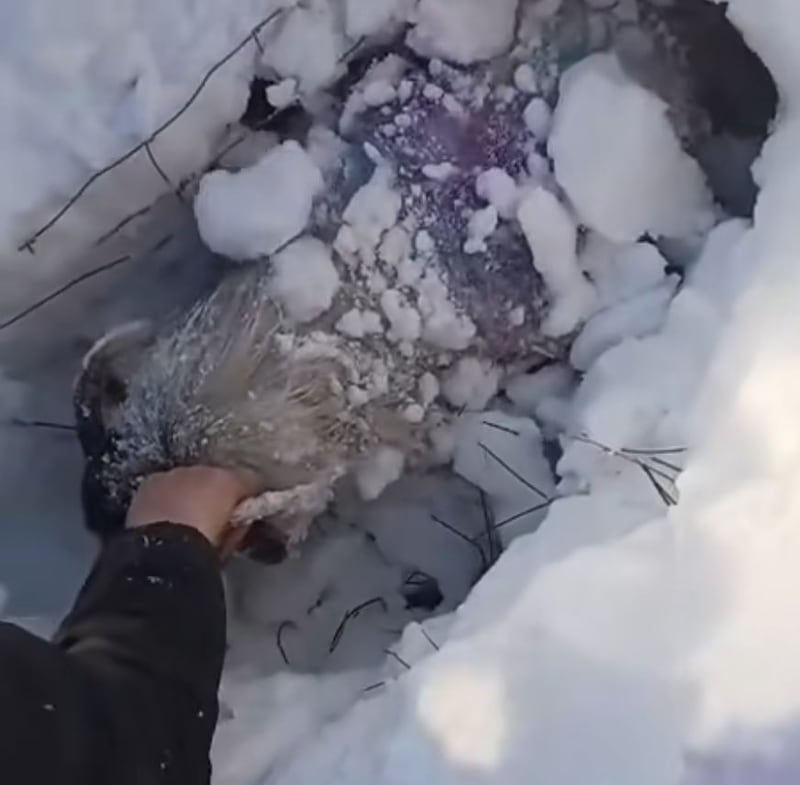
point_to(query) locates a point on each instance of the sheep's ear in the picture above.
(106, 373)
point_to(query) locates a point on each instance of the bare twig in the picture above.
(143, 145)
(53, 426)
(488, 522)
(397, 657)
(651, 472)
(452, 529)
(122, 224)
(279, 638)
(66, 287)
(428, 637)
(513, 472)
(503, 428)
(349, 616)
(523, 514)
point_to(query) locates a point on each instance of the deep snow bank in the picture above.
(619, 643)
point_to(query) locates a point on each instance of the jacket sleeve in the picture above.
(127, 692)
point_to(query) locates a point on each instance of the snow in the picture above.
(538, 118)
(282, 94)
(374, 208)
(303, 279)
(498, 188)
(525, 79)
(619, 160)
(481, 226)
(306, 45)
(552, 237)
(250, 214)
(378, 471)
(368, 17)
(471, 384)
(616, 639)
(463, 31)
(404, 320)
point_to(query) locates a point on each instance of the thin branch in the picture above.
(513, 472)
(279, 638)
(488, 522)
(524, 514)
(666, 497)
(53, 426)
(122, 224)
(428, 638)
(397, 657)
(462, 536)
(503, 428)
(349, 616)
(146, 142)
(61, 290)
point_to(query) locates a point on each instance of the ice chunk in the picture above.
(304, 280)
(250, 214)
(619, 160)
(463, 31)
(405, 321)
(552, 236)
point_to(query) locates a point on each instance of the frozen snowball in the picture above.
(368, 17)
(433, 92)
(444, 327)
(282, 94)
(552, 237)
(498, 188)
(428, 389)
(395, 246)
(538, 118)
(439, 172)
(374, 208)
(619, 160)
(471, 384)
(306, 46)
(525, 79)
(482, 224)
(414, 414)
(304, 280)
(423, 243)
(378, 93)
(250, 214)
(377, 472)
(463, 31)
(405, 321)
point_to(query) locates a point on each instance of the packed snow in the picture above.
(250, 214)
(619, 159)
(636, 489)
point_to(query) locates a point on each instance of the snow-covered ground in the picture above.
(640, 625)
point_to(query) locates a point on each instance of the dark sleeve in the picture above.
(127, 693)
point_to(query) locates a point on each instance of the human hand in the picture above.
(201, 497)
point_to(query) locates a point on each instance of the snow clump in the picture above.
(619, 160)
(250, 214)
